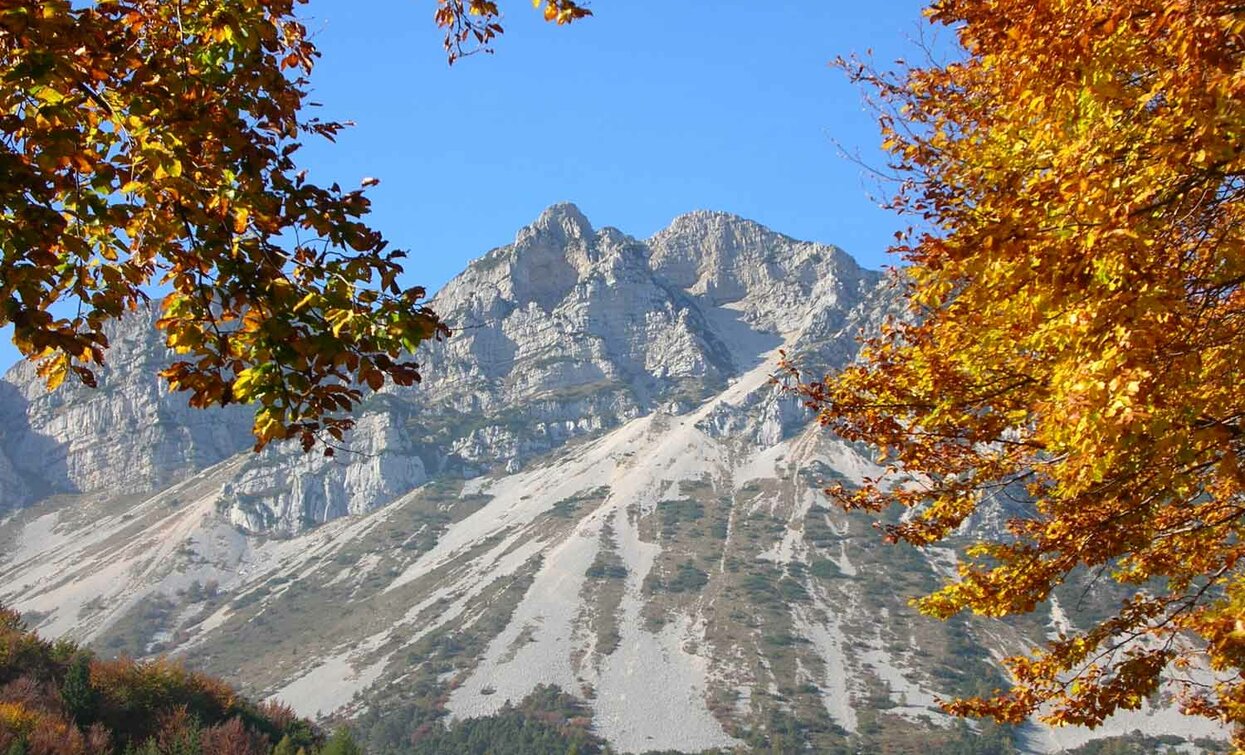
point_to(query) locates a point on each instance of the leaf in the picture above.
(56, 375)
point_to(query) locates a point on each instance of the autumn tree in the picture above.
(1075, 341)
(146, 143)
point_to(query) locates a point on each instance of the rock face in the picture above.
(564, 333)
(598, 487)
(571, 330)
(287, 491)
(127, 436)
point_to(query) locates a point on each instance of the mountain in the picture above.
(598, 494)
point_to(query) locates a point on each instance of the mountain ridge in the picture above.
(597, 487)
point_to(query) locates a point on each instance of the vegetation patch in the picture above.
(567, 507)
(684, 578)
(547, 721)
(674, 512)
(603, 591)
(60, 698)
(396, 715)
(135, 633)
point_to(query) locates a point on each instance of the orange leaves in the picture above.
(562, 11)
(17, 718)
(1076, 331)
(471, 25)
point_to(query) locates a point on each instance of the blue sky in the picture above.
(644, 111)
(647, 110)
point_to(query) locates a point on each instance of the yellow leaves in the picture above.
(1109, 88)
(184, 339)
(171, 168)
(562, 11)
(1078, 321)
(243, 382)
(54, 369)
(223, 33)
(253, 320)
(17, 718)
(310, 300)
(149, 165)
(47, 94)
(269, 426)
(339, 319)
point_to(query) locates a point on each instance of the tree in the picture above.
(145, 143)
(1076, 337)
(77, 694)
(286, 747)
(341, 743)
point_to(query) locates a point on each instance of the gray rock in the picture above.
(565, 333)
(129, 435)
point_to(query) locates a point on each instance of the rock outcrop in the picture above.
(128, 436)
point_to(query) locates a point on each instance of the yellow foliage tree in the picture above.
(150, 142)
(1077, 332)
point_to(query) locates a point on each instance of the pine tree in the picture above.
(77, 694)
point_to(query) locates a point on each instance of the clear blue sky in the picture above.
(647, 110)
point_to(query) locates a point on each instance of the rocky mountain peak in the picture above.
(551, 255)
(562, 219)
(566, 332)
